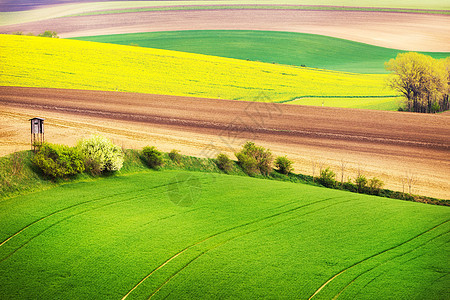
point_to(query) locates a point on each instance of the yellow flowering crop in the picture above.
(58, 63)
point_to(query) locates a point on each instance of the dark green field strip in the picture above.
(241, 237)
(288, 48)
(290, 7)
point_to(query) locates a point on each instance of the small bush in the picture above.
(50, 34)
(175, 156)
(361, 183)
(375, 185)
(248, 163)
(58, 161)
(100, 153)
(255, 159)
(327, 178)
(224, 162)
(284, 165)
(92, 166)
(152, 157)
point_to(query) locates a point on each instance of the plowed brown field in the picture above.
(390, 145)
(406, 31)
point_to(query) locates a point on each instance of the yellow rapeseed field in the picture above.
(58, 63)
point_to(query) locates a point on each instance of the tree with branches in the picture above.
(422, 80)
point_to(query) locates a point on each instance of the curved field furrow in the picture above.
(389, 145)
(369, 258)
(228, 230)
(279, 229)
(406, 31)
(240, 235)
(390, 260)
(75, 215)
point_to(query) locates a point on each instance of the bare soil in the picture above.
(390, 145)
(406, 31)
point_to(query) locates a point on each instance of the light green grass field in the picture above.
(391, 104)
(185, 235)
(287, 48)
(56, 63)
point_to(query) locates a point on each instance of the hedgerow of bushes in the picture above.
(96, 155)
(58, 161)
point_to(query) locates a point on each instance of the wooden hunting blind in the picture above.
(37, 132)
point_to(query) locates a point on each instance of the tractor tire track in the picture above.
(72, 206)
(385, 262)
(80, 213)
(241, 235)
(219, 233)
(370, 257)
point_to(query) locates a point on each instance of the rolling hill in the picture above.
(56, 63)
(186, 235)
(288, 48)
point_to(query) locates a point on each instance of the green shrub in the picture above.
(361, 183)
(224, 162)
(50, 34)
(175, 156)
(99, 153)
(58, 160)
(255, 159)
(284, 165)
(327, 178)
(92, 166)
(152, 157)
(375, 185)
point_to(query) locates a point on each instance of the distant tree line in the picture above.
(47, 33)
(423, 81)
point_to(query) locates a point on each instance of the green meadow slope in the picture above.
(189, 235)
(287, 48)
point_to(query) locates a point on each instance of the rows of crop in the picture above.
(45, 62)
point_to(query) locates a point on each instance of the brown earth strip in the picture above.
(406, 31)
(389, 145)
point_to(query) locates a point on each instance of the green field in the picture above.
(287, 48)
(70, 64)
(391, 104)
(187, 235)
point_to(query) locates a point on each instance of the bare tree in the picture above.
(313, 163)
(411, 180)
(404, 180)
(343, 165)
(321, 163)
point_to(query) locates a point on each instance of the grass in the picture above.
(204, 235)
(291, 48)
(391, 104)
(55, 63)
